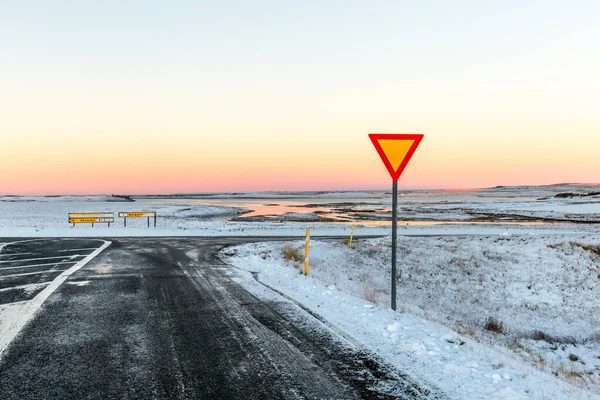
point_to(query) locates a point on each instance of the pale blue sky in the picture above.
(278, 39)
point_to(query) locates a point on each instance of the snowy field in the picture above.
(540, 291)
(288, 214)
(554, 203)
(574, 203)
(40, 214)
(48, 217)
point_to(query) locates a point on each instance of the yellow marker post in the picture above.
(351, 234)
(306, 251)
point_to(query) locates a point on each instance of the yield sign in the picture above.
(395, 150)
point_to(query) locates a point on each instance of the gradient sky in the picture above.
(195, 96)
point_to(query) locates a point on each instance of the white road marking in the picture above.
(87, 248)
(43, 258)
(47, 271)
(38, 265)
(79, 283)
(104, 270)
(15, 254)
(29, 286)
(25, 313)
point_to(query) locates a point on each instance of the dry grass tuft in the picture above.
(593, 249)
(540, 361)
(575, 378)
(466, 330)
(369, 295)
(494, 325)
(290, 253)
(539, 335)
(383, 290)
(371, 252)
(345, 242)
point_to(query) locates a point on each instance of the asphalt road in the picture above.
(160, 319)
(27, 266)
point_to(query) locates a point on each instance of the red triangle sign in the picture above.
(395, 150)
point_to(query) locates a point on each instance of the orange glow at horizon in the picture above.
(161, 165)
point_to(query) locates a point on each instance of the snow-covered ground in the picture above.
(44, 212)
(580, 210)
(542, 290)
(48, 216)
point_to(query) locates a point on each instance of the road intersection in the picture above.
(161, 318)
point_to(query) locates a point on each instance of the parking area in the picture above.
(28, 266)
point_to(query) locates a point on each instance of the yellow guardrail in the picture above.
(138, 214)
(91, 218)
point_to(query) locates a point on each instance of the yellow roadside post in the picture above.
(351, 234)
(306, 251)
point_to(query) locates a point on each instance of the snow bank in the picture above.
(543, 290)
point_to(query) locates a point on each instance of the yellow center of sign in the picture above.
(395, 150)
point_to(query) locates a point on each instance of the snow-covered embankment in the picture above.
(481, 317)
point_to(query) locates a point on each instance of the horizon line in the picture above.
(298, 191)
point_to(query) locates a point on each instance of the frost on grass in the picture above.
(536, 296)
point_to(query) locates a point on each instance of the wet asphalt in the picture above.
(160, 318)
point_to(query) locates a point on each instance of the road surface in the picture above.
(159, 318)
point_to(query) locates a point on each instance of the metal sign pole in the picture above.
(395, 150)
(394, 240)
